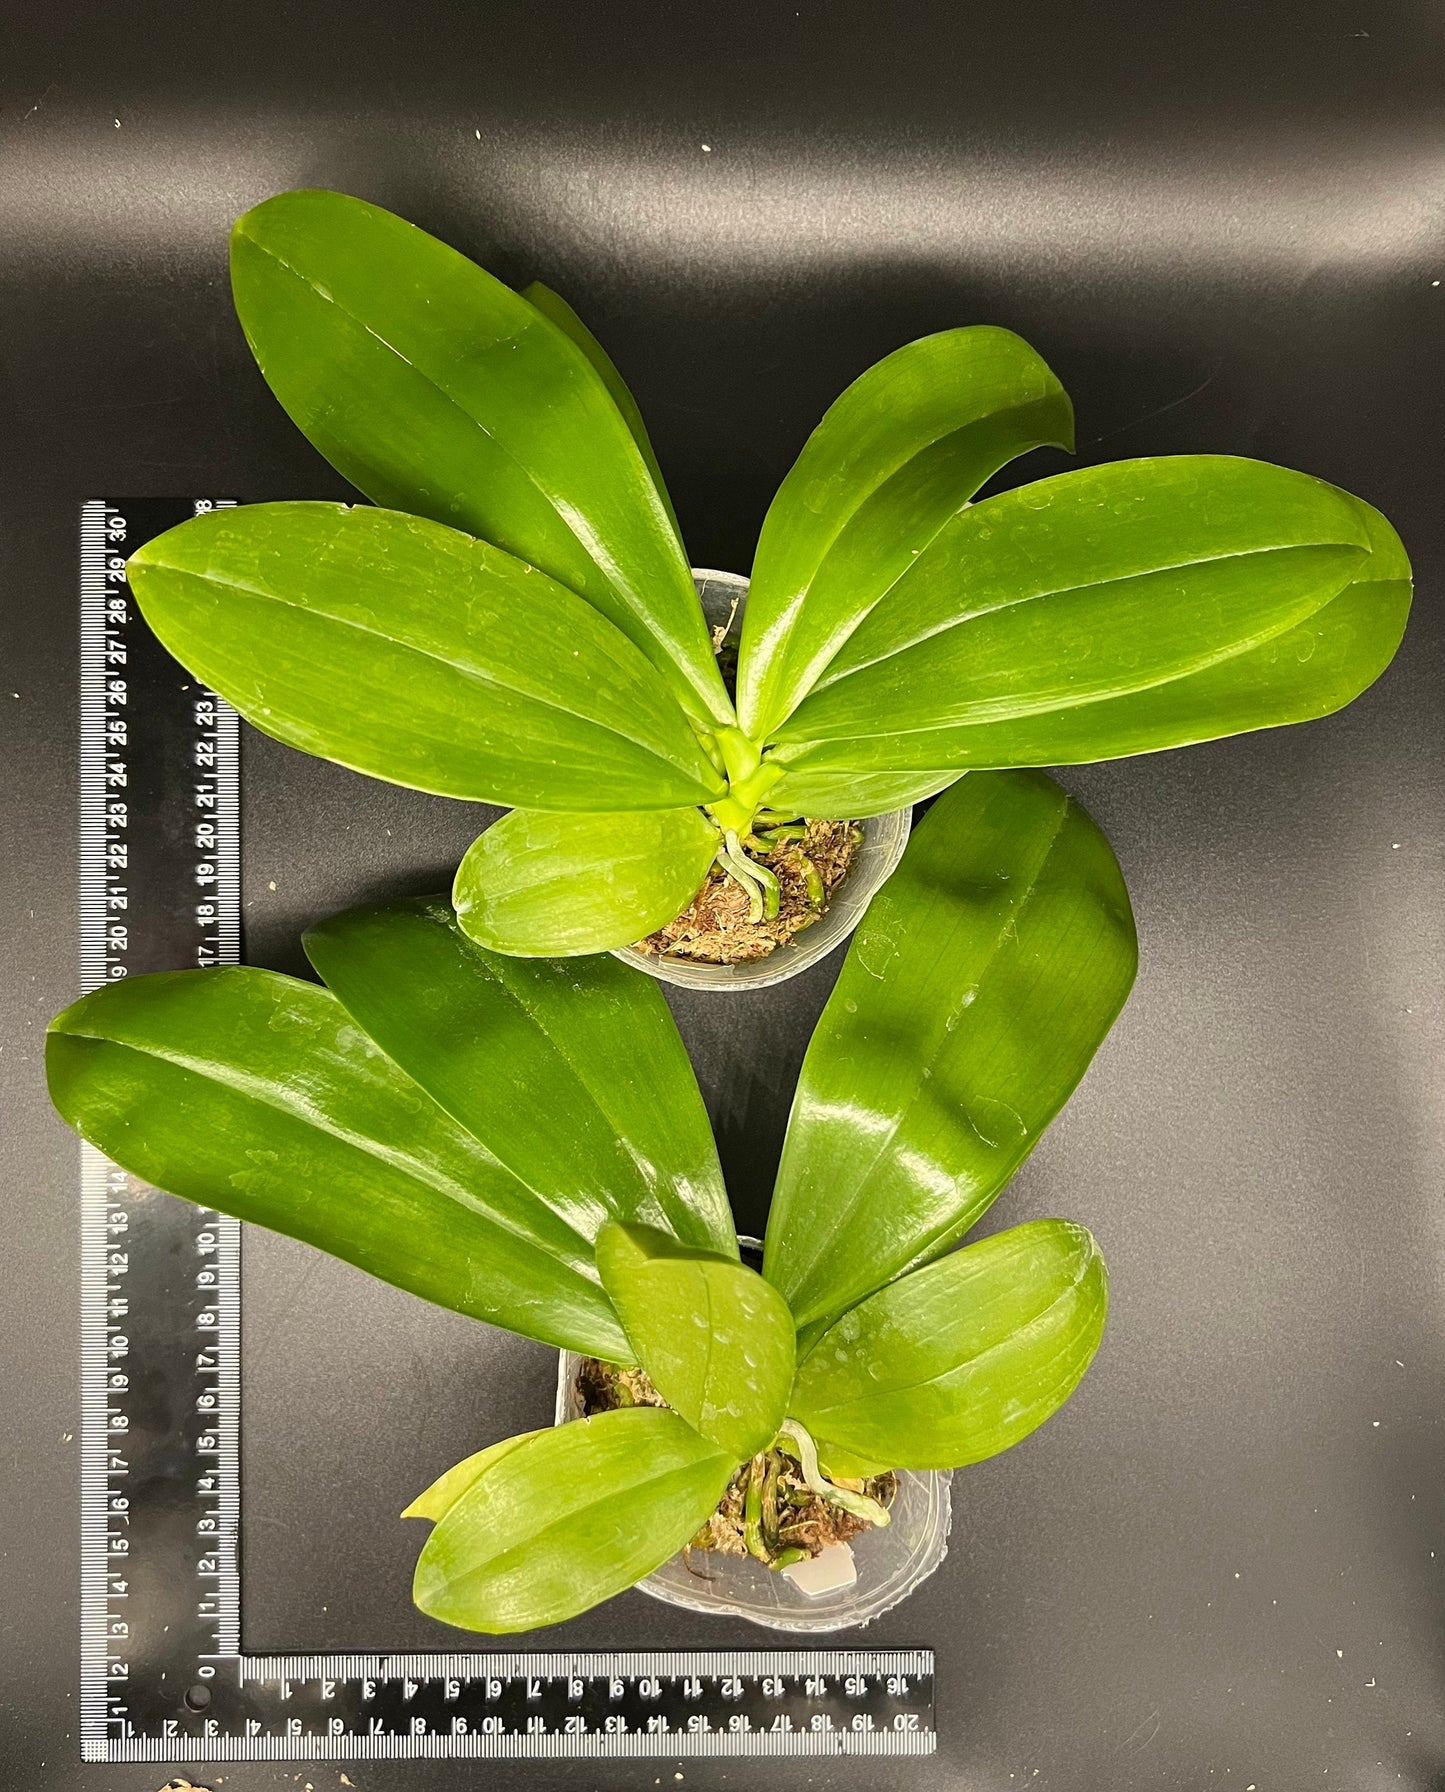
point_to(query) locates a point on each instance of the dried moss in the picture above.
(715, 929)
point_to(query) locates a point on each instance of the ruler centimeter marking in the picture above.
(160, 1279)
(163, 1675)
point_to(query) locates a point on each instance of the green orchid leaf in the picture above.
(962, 1359)
(904, 448)
(854, 795)
(1034, 614)
(981, 982)
(438, 1499)
(437, 390)
(572, 1074)
(1309, 671)
(539, 885)
(839, 1464)
(716, 1339)
(258, 1095)
(571, 1517)
(418, 654)
(555, 308)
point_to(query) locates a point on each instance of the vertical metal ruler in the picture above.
(163, 1674)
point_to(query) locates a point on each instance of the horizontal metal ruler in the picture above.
(163, 1673)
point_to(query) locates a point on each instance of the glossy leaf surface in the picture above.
(1035, 610)
(437, 390)
(899, 453)
(978, 986)
(541, 885)
(963, 1358)
(716, 1339)
(802, 791)
(1310, 670)
(436, 1501)
(418, 654)
(573, 1074)
(569, 1518)
(556, 309)
(258, 1095)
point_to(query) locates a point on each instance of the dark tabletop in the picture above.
(1223, 1565)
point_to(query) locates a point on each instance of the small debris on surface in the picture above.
(715, 928)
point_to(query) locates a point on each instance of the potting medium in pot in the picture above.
(724, 596)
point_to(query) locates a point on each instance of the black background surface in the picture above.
(1223, 1564)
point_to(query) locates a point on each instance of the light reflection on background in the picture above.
(742, 210)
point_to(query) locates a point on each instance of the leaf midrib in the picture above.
(1067, 591)
(594, 551)
(844, 1215)
(329, 298)
(477, 673)
(890, 1392)
(256, 1088)
(560, 1045)
(784, 626)
(564, 1527)
(1061, 705)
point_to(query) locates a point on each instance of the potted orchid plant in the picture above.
(513, 618)
(522, 1140)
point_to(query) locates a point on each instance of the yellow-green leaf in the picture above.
(960, 1359)
(716, 1339)
(569, 1518)
(543, 885)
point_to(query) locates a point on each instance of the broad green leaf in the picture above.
(438, 390)
(438, 1499)
(1309, 671)
(963, 1358)
(568, 1519)
(1033, 611)
(980, 983)
(416, 653)
(903, 449)
(555, 308)
(551, 886)
(258, 1095)
(716, 1339)
(573, 1074)
(854, 796)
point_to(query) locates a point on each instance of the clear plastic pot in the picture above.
(891, 1562)
(723, 596)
